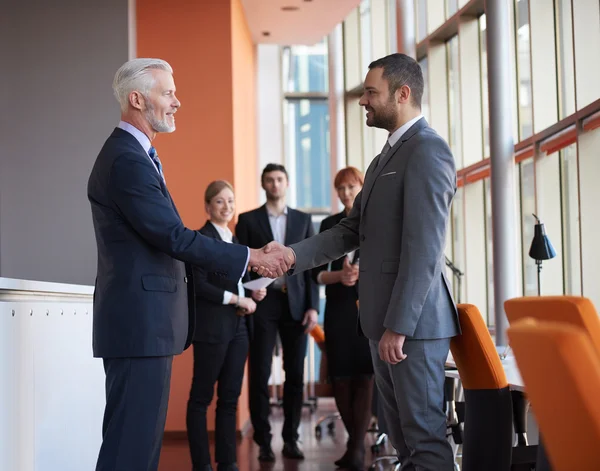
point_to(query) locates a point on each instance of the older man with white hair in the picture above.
(141, 314)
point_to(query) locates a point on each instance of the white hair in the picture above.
(135, 75)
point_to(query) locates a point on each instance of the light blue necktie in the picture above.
(154, 156)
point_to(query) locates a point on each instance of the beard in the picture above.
(159, 125)
(384, 118)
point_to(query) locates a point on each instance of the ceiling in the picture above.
(307, 24)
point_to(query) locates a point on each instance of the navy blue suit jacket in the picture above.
(141, 296)
(253, 229)
(216, 322)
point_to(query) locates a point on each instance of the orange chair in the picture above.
(488, 436)
(561, 371)
(575, 310)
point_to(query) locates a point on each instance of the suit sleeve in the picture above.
(135, 188)
(316, 271)
(429, 186)
(206, 290)
(312, 288)
(330, 244)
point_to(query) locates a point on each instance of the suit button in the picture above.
(185, 279)
(362, 238)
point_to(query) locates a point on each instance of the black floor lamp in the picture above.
(541, 248)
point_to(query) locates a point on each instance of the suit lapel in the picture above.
(263, 220)
(208, 227)
(378, 168)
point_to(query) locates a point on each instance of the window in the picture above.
(570, 220)
(489, 251)
(451, 7)
(458, 242)
(485, 107)
(524, 70)
(527, 187)
(564, 46)
(306, 125)
(305, 68)
(421, 9)
(425, 100)
(454, 113)
(366, 41)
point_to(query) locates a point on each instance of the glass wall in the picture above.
(306, 124)
(554, 72)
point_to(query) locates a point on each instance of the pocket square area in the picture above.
(387, 174)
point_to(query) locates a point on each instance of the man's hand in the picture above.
(349, 275)
(310, 320)
(390, 347)
(245, 306)
(259, 294)
(272, 261)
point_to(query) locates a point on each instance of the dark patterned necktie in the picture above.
(154, 157)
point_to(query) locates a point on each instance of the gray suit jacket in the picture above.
(399, 222)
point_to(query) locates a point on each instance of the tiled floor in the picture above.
(320, 453)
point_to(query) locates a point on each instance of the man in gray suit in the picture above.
(399, 222)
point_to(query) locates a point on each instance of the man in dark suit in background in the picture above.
(140, 302)
(289, 308)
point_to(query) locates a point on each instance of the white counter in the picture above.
(51, 388)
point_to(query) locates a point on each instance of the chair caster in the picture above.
(318, 431)
(331, 427)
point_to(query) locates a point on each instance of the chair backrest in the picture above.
(561, 370)
(474, 352)
(575, 310)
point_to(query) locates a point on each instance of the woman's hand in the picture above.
(259, 294)
(349, 273)
(246, 306)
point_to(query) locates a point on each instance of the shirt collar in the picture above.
(225, 233)
(285, 212)
(135, 132)
(398, 133)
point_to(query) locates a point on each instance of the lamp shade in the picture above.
(541, 247)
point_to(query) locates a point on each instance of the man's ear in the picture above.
(137, 100)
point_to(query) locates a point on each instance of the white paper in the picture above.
(260, 283)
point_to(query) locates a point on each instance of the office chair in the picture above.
(561, 370)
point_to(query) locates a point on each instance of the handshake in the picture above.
(272, 261)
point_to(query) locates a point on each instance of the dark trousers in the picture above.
(272, 316)
(137, 395)
(222, 362)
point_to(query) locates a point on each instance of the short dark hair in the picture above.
(400, 69)
(273, 168)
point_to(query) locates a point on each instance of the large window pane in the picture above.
(524, 70)
(421, 9)
(425, 100)
(451, 7)
(547, 180)
(489, 252)
(307, 156)
(458, 242)
(485, 107)
(589, 169)
(570, 220)
(305, 68)
(527, 188)
(366, 47)
(566, 69)
(454, 100)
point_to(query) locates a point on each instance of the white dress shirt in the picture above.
(278, 225)
(227, 236)
(398, 133)
(146, 144)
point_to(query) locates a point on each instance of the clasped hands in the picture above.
(272, 261)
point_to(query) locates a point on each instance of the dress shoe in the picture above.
(291, 451)
(266, 454)
(344, 461)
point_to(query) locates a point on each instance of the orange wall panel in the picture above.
(209, 46)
